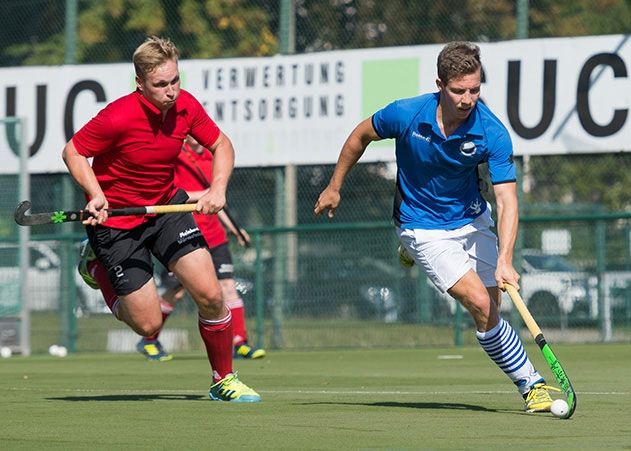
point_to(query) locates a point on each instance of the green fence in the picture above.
(337, 283)
(340, 285)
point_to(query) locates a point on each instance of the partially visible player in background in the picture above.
(442, 220)
(193, 173)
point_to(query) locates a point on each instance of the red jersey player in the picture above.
(135, 142)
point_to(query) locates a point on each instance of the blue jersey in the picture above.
(437, 179)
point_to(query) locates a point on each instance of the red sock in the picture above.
(217, 337)
(240, 333)
(166, 309)
(98, 271)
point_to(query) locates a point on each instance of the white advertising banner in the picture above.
(555, 96)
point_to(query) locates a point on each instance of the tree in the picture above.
(601, 180)
(110, 30)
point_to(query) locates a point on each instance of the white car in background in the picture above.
(553, 287)
(43, 280)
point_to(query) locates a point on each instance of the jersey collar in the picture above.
(150, 106)
(473, 125)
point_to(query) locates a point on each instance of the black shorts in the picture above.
(222, 260)
(127, 254)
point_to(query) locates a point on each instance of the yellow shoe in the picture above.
(230, 388)
(404, 258)
(245, 351)
(153, 350)
(538, 399)
(87, 255)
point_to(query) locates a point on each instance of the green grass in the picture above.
(351, 399)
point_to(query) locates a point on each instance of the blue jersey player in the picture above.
(442, 220)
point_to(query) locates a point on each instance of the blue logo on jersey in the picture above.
(467, 148)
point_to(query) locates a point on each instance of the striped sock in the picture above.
(504, 347)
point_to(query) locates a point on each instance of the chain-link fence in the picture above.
(338, 283)
(320, 283)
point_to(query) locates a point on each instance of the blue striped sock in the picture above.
(503, 346)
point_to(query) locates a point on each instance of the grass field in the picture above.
(447, 398)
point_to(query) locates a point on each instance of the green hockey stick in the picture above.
(546, 350)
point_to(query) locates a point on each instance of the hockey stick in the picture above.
(548, 354)
(57, 217)
(246, 242)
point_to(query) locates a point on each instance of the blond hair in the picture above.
(458, 58)
(153, 53)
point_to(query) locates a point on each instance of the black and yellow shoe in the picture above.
(404, 258)
(153, 350)
(245, 351)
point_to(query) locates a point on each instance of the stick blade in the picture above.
(20, 213)
(24, 219)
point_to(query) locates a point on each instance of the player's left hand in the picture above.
(243, 238)
(506, 273)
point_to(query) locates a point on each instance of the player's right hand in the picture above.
(329, 200)
(97, 207)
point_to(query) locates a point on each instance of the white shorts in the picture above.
(446, 255)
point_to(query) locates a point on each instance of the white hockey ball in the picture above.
(559, 408)
(5, 352)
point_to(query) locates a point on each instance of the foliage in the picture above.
(577, 180)
(228, 28)
(110, 30)
(32, 31)
(579, 18)
(357, 24)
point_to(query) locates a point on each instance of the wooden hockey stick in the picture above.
(60, 216)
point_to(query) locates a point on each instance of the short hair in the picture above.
(456, 59)
(153, 53)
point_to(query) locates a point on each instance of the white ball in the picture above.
(62, 351)
(5, 352)
(559, 408)
(53, 350)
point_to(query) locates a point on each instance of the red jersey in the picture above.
(135, 151)
(193, 172)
